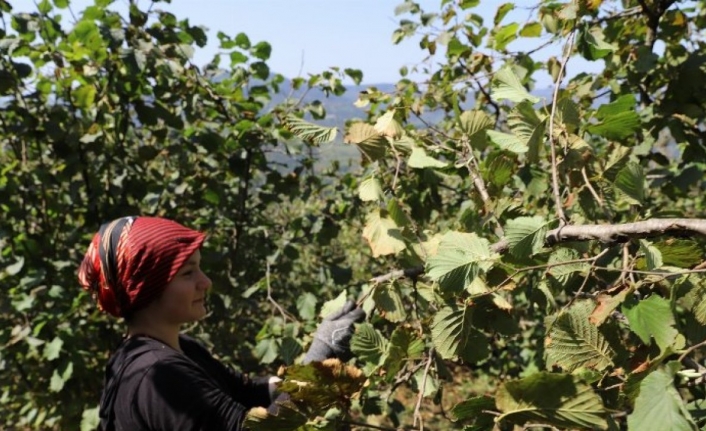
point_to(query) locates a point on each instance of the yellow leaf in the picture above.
(388, 126)
(383, 235)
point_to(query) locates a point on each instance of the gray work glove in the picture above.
(333, 336)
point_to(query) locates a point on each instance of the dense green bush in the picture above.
(534, 258)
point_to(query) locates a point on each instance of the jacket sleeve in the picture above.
(175, 394)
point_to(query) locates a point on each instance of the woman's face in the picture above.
(183, 300)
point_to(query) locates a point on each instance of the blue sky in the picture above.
(312, 35)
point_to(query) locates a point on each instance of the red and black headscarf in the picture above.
(132, 259)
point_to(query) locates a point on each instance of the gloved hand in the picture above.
(333, 336)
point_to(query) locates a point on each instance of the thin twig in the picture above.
(568, 48)
(417, 415)
(595, 195)
(691, 349)
(588, 275)
(375, 427)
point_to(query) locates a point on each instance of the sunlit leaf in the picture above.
(404, 346)
(388, 301)
(526, 235)
(386, 125)
(453, 335)
(652, 255)
(367, 139)
(368, 344)
(420, 160)
(652, 317)
(459, 259)
(631, 182)
(659, 406)
(310, 132)
(507, 142)
(574, 342)
(53, 348)
(507, 86)
(370, 189)
(531, 29)
(382, 234)
(679, 252)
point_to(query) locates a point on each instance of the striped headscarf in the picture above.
(132, 259)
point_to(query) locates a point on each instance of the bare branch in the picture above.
(555, 174)
(417, 415)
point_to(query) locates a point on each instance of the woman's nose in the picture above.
(205, 282)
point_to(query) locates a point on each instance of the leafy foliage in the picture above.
(456, 212)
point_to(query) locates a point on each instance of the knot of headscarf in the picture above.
(131, 260)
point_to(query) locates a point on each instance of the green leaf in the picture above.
(306, 305)
(59, 379)
(526, 235)
(310, 132)
(652, 317)
(652, 255)
(474, 124)
(529, 128)
(53, 348)
(591, 43)
(333, 305)
(679, 252)
(564, 271)
(289, 350)
(619, 119)
(531, 29)
(367, 139)
(474, 408)
(266, 350)
(617, 159)
(554, 399)
(397, 213)
(419, 160)
(370, 189)
(475, 121)
(62, 4)
(16, 267)
(388, 301)
(502, 36)
(355, 74)
(242, 41)
(502, 11)
(574, 342)
(237, 57)
(404, 346)
(383, 235)
(659, 406)
(386, 125)
(459, 259)
(507, 142)
(507, 86)
(631, 182)
(368, 344)
(90, 419)
(84, 96)
(261, 50)
(453, 335)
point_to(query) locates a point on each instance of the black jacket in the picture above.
(150, 386)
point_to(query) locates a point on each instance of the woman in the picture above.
(147, 270)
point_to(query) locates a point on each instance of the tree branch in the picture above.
(605, 233)
(555, 174)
